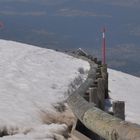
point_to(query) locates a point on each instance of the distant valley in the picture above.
(70, 24)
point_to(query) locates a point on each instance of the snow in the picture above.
(125, 87)
(32, 81)
(42, 132)
(35, 82)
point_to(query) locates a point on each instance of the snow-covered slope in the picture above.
(125, 87)
(33, 83)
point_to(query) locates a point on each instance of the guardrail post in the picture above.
(99, 63)
(93, 98)
(119, 109)
(101, 97)
(95, 60)
(98, 75)
(104, 74)
(101, 93)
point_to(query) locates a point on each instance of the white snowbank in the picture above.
(125, 87)
(41, 132)
(32, 80)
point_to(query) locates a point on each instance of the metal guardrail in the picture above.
(95, 119)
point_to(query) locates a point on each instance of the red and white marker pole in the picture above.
(104, 48)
